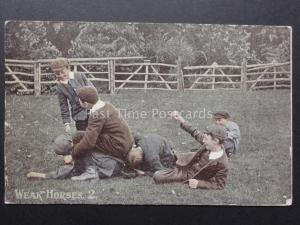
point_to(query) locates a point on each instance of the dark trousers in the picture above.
(81, 124)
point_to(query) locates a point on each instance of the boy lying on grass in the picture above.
(93, 165)
(150, 154)
(205, 168)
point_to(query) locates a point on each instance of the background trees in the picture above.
(193, 44)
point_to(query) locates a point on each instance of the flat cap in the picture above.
(62, 144)
(217, 131)
(221, 114)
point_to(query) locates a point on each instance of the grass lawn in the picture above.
(260, 174)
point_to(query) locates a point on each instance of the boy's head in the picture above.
(221, 118)
(61, 68)
(63, 144)
(214, 135)
(88, 97)
(135, 157)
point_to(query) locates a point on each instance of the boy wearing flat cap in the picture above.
(206, 168)
(232, 141)
(67, 84)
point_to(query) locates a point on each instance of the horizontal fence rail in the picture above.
(123, 73)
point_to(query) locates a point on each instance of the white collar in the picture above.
(216, 155)
(71, 77)
(99, 104)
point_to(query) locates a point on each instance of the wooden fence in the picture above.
(121, 73)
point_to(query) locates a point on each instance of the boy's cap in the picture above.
(88, 94)
(62, 144)
(217, 131)
(59, 64)
(221, 114)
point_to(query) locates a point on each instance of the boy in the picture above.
(232, 141)
(92, 166)
(68, 83)
(206, 168)
(107, 132)
(150, 154)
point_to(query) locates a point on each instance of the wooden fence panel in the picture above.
(116, 74)
(146, 76)
(212, 77)
(269, 76)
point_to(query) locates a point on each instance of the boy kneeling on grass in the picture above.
(206, 168)
(107, 132)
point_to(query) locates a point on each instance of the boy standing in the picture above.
(68, 83)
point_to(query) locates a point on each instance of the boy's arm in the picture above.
(95, 125)
(185, 125)
(193, 131)
(64, 107)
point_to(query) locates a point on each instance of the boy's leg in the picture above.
(85, 169)
(176, 174)
(62, 172)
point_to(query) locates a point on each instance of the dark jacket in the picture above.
(211, 174)
(107, 133)
(67, 95)
(157, 152)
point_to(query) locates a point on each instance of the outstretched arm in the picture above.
(187, 126)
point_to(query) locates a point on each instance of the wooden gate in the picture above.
(269, 76)
(212, 77)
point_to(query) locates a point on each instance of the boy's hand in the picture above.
(176, 116)
(67, 128)
(140, 172)
(193, 183)
(68, 159)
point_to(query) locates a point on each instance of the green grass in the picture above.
(260, 174)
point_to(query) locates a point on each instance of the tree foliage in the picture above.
(192, 44)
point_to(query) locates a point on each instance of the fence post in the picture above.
(214, 75)
(275, 77)
(147, 62)
(111, 75)
(37, 78)
(180, 80)
(244, 75)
